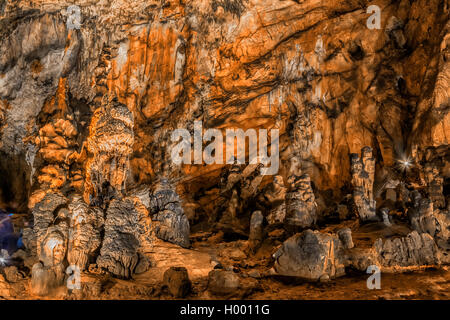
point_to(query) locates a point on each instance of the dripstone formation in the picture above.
(171, 224)
(363, 171)
(300, 202)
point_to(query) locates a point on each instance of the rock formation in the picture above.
(49, 272)
(171, 224)
(89, 100)
(435, 186)
(276, 200)
(300, 202)
(126, 233)
(84, 233)
(363, 171)
(110, 142)
(256, 235)
(413, 250)
(310, 255)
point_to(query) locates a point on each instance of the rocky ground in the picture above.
(92, 91)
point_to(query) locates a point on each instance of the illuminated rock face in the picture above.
(110, 143)
(363, 171)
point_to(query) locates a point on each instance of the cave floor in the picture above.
(256, 282)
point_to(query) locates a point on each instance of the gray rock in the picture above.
(385, 217)
(275, 199)
(256, 226)
(435, 184)
(345, 235)
(363, 174)
(422, 217)
(84, 236)
(171, 224)
(300, 203)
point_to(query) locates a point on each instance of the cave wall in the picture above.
(312, 69)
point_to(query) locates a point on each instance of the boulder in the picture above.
(222, 282)
(126, 230)
(414, 250)
(345, 235)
